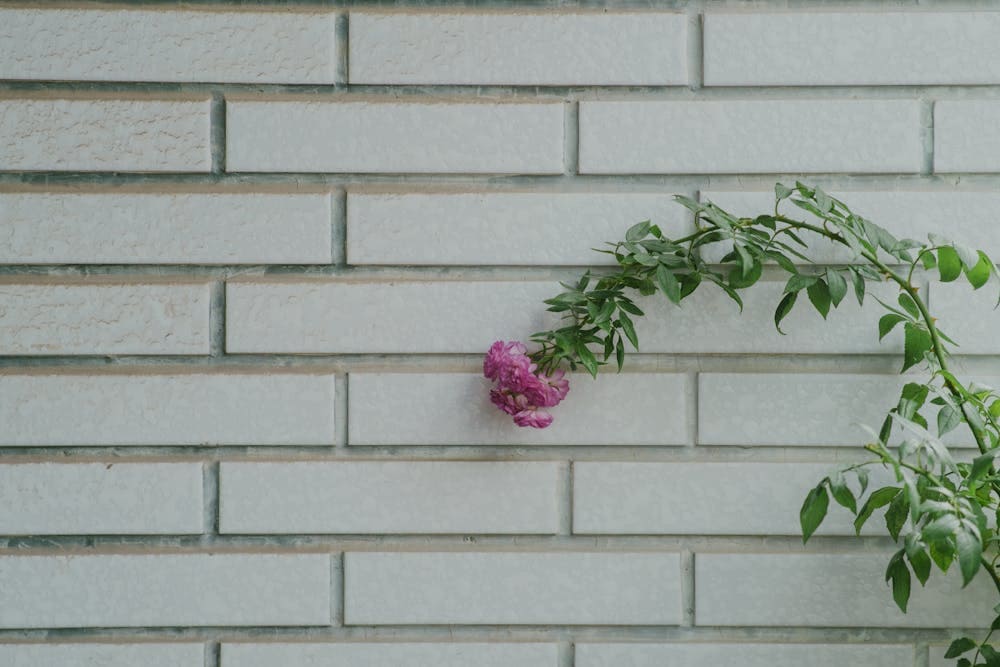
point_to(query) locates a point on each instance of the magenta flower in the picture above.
(520, 391)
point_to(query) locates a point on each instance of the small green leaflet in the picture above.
(916, 343)
(813, 510)
(949, 265)
(784, 307)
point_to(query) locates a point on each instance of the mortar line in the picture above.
(687, 565)
(927, 136)
(341, 410)
(210, 499)
(213, 654)
(217, 124)
(338, 228)
(695, 50)
(565, 498)
(337, 589)
(921, 654)
(342, 29)
(217, 319)
(693, 393)
(571, 138)
(567, 654)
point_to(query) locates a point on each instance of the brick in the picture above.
(389, 497)
(103, 655)
(350, 654)
(104, 135)
(701, 498)
(966, 136)
(174, 46)
(738, 408)
(389, 137)
(166, 590)
(518, 49)
(49, 318)
(518, 228)
(964, 216)
(521, 588)
(750, 136)
(843, 48)
(307, 317)
(166, 409)
(454, 409)
(164, 228)
(750, 655)
(100, 499)
(828, 590)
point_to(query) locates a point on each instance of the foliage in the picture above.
(940, 511)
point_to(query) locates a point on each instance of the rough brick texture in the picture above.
(251, 255)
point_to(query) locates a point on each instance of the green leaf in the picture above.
(799, 282)
(740, 280)
(899, 574)
(887, 323)
(626, 324)
(960, 646)
(970, 551)
(782, 191)
(895, 516)
(629, 307)
(638, 231)
(916, 343)
(620, 353)
(949, 264)
(909, 305)
(587, 359)
(823, 201)
(967, 255)
(668, 283)
(942, 554)
(784, 307)
(813, 510)
(948, 418)
(837, 285)
(941, 528)
(979, 275)
(819, 295)
(859, 287)
(878, 498)
(921, 564)
(842, 494)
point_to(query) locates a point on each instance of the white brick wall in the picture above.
(250, 258)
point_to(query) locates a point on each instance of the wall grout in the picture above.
(687, 588)
(564, 494)
(217, 319)
(571, 138)
(927, 136)
(211, 500)
(217, 121)
(213, 654)
(695, 50)
(567, 654)
(338, 228)
(341, 410)
(342, 35)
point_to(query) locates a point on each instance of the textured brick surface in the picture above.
(105, 655)
(191, 589)
(390, 655)
(966, 136)
(166, 409)
(100, 498)
(164, 228)
(519, 48)
(384, 137)
(454, 409)
(526, 588)
(750, 136)
(389, 497)
(844, 590)
(104, 135)
(749, 655)
(47, 319)
(537, 228)
(900, 48)
(252, 47)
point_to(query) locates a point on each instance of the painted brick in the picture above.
(307, 317)
(102, 655)
(241, 47)
(380, 137)
(499, 228)
(390, 655)
(389, 497)
(750, 136)
(166, 590)
(827, 590)
(518, 49)
(100, 499)
(701, 498)
(966, 136)
(738, 408)
(521, 588)
(454, 409)
(967, 316)
(164, 228)
(49, 318)
(750, 655)
(963, 216)
(166, 409)
(104, 135)
(864, 48)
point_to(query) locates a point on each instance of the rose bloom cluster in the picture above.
(520, 390)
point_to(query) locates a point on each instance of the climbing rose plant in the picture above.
(939, 511)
